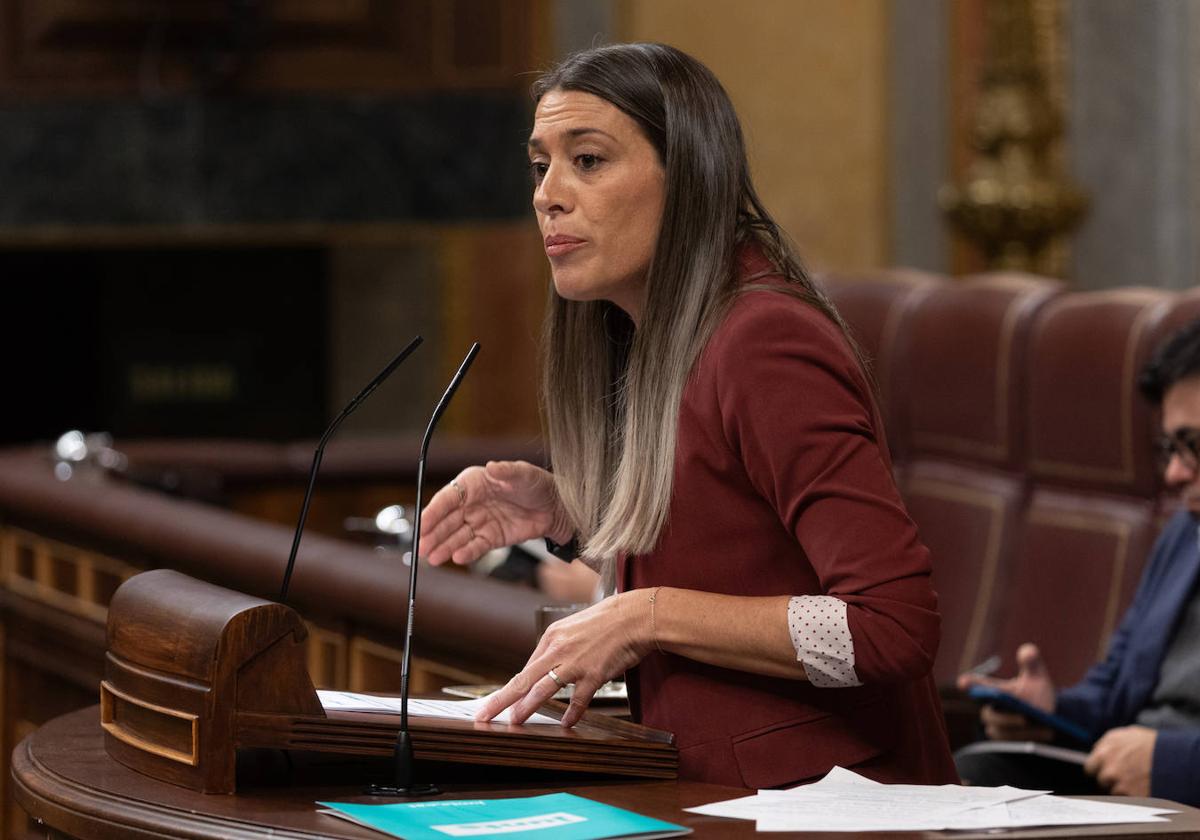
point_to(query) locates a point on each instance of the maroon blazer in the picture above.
(783, 486)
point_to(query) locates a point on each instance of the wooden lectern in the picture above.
(194, 672)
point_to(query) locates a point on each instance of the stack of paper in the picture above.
(349, 701)
(446, 730)
(845, 801)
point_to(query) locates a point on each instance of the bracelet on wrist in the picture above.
(653, 624)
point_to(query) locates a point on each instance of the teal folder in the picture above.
(561, 816)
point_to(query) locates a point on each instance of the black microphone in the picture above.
(316, 464)
(403, 755)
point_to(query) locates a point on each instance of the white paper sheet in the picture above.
(1054, 810)
(845, 801)
(348, 701)
(844, 784)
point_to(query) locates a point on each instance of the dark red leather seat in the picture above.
(1091, 519)
(1026, 450)
(877, 308)
(963, 483)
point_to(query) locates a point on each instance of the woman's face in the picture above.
(598, 193)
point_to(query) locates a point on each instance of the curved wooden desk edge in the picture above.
(80, 810)
(102, 800)
(63, 777)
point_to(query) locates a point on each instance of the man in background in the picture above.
(1142, 703)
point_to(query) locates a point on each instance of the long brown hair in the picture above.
(610, 393)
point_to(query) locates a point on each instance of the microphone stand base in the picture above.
(410, 791)
(402, 783)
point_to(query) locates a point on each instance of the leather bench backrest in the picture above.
(1077, 564)
(1088, 426)
(967, 516)
(1024, 449)
(878, 308)
(1091, 519)
(967, 351)
(962, 484)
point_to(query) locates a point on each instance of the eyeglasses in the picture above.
(1184, 443)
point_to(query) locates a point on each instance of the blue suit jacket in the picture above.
(1115, 690)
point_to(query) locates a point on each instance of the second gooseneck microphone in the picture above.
(403, 755)
(316, 464)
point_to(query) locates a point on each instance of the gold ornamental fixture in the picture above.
(1015, 200)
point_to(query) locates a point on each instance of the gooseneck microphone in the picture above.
(316, 464)
(403, 755)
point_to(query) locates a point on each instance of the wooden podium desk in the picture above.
(64, 779)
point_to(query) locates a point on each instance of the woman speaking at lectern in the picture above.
(716, 450)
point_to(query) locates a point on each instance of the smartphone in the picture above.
(988, 696)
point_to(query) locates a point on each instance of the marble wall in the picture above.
(283, 159)
(1134, 141)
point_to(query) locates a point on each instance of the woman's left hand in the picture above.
(588, 649)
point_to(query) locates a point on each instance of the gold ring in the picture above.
(462, 497)
(557, 681)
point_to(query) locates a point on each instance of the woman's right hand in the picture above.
(1031, 684)
(500, 504)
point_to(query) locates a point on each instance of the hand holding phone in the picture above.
(992, 696)
(1031, 684)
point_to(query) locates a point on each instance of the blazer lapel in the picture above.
(1175, 590)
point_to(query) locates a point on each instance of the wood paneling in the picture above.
(809, 81)
(50, 666)
(114, 46)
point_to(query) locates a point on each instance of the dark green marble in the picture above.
(446, 157)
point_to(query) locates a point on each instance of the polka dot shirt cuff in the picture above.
(817, 624)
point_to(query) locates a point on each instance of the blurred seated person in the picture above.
(1142, 703)
(565, 581)
(531, 564)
